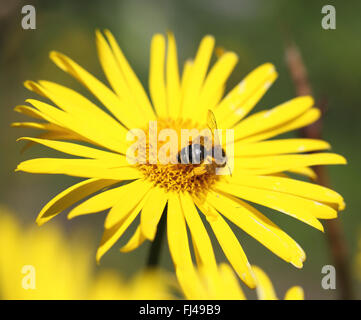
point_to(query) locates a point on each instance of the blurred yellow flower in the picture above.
(42, 264)
(260, 172)
(222, 284)
(265, 290)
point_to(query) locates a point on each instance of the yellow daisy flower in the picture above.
(43, 264)
(222, 284)
(180, 102)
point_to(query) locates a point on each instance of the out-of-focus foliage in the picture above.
(256, 30)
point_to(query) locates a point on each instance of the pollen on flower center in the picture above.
(176, 177)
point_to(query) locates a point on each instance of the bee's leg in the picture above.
(197, 171)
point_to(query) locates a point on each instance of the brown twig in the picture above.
(334, 230)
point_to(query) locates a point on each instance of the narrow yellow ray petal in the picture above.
(43, 112)
(111, 68)
(156, 75)
(177, 234)
(277, 147)
(229, 283)
(89, 131)
(229, 243)
(69, 196)
(303, 120)
(259, 227)
(152, 211)
(199, 234)
(87, 168)
(128, 198)
(290, 186)
(242, 98)
(55, 135)
(186, 74)
(191, 284)
(295, 293)
(97, 203)
(216, 79)
(79, 150)
(265, 290)
(285, 162)
(216, 97)
(305, 171)
(84, 111)
(173, 81)
(134, 242)
(77, 105)
(29, 111)
(131, 78)
(106, 96)
(197, 76)
(110, 236)
(265, 120)
(36, 125)
(298, 208)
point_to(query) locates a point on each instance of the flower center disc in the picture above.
(174, 176)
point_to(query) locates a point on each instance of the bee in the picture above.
(197, 153)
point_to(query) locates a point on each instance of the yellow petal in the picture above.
(97, 203)
(242, 98)
(110, 236)
(106, 96)
(97, 134)
(129, 196)
(277, 147)
(32, 125)
(196, 77)
(199, 234)
(177, 234)
(87, 168)
(299, 208)
(303, 120)
(173, 81)
(131, 78)
(291, 186)
(230, 286)
(79, 150)
(152, 212)
(216, 80)
(77, 105)
(305, 171)
(266, 120)
(259, 227)
(29, 111)
(265, 290)
(229, 243)
(156, 75)
(191, 284)
(70, 196)
(134, 242)
(295, 293)
(279, 163)
(55, 135)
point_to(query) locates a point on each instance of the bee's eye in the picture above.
(192, 154)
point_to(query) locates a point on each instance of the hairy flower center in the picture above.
(174, 176)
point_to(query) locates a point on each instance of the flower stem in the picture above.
(156, 246)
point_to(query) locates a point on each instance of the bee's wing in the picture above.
(212, 125)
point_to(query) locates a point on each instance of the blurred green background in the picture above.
(256, 30)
